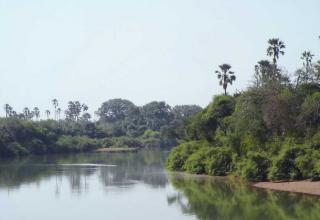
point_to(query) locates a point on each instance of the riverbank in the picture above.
(117, 149)
(305, 186)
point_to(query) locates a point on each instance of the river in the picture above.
(123, 186)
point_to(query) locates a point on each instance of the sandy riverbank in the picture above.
(305, 186)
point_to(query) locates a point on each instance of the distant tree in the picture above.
(27, 113)
(317, 71)
(13, 114)
(157, 114)
(59, 113)
(308, 72)
(55, 105)
(7, 109)
(84, 107)
(263, 73)
(36, 113)
(185, 111)
(73, 111)
(310, 111)
(48, 114)
(86, 117)
(225, 76)
(116, 110)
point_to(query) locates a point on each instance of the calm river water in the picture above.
(133, 186)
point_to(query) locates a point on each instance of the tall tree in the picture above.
(59, 113)
(27, 113)
(263, 73)
(317, 72)
(225, 76)
(48, 114)
(116, 110)
(275, 49)
(36, 112)
(55, 105)
(74, 109)
(306, 73)
(7, 109)
(157, 115)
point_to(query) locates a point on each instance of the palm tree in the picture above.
(7, 109)
(27, 113)
(225, 76)
(275, 49)
(84, 107)
(59, 112)
(36, 112)
(307, 57)
(55, 105)
(48, 114)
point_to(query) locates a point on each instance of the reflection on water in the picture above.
(214, 198)
(117, 169)
(133, 186)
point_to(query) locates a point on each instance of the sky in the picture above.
(142, 50)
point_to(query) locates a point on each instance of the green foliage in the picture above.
(205, 123)
(284, 166)
(269, 132)
(196, 162)
(255, 166)
(126, 142)
(76, 144)
(218, 161)
(178, 156)
(316, 172)
(310, 116)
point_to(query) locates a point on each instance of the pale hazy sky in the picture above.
(95, 50)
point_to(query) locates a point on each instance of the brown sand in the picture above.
(305, 186)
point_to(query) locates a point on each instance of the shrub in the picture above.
(126, 142)
(255, 167)
(75, 144)
(315, 174)
(12, 149)
(284, 166)
(180, 154)
(218, 161)
(196, 162)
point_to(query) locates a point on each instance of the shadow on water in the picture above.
(211, 198)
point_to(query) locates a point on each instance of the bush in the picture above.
(180, 154)
(196, 162)
(218, 161)
(75, 144)
(126, 142)
(284, 166)
(255, 167)
(12, 150)
(315, 174)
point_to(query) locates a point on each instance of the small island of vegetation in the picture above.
(271, 131)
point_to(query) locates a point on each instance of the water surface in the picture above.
(133, 186)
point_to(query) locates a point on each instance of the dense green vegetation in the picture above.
(120, 124)
(271, 131)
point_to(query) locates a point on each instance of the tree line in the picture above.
(120, 123)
